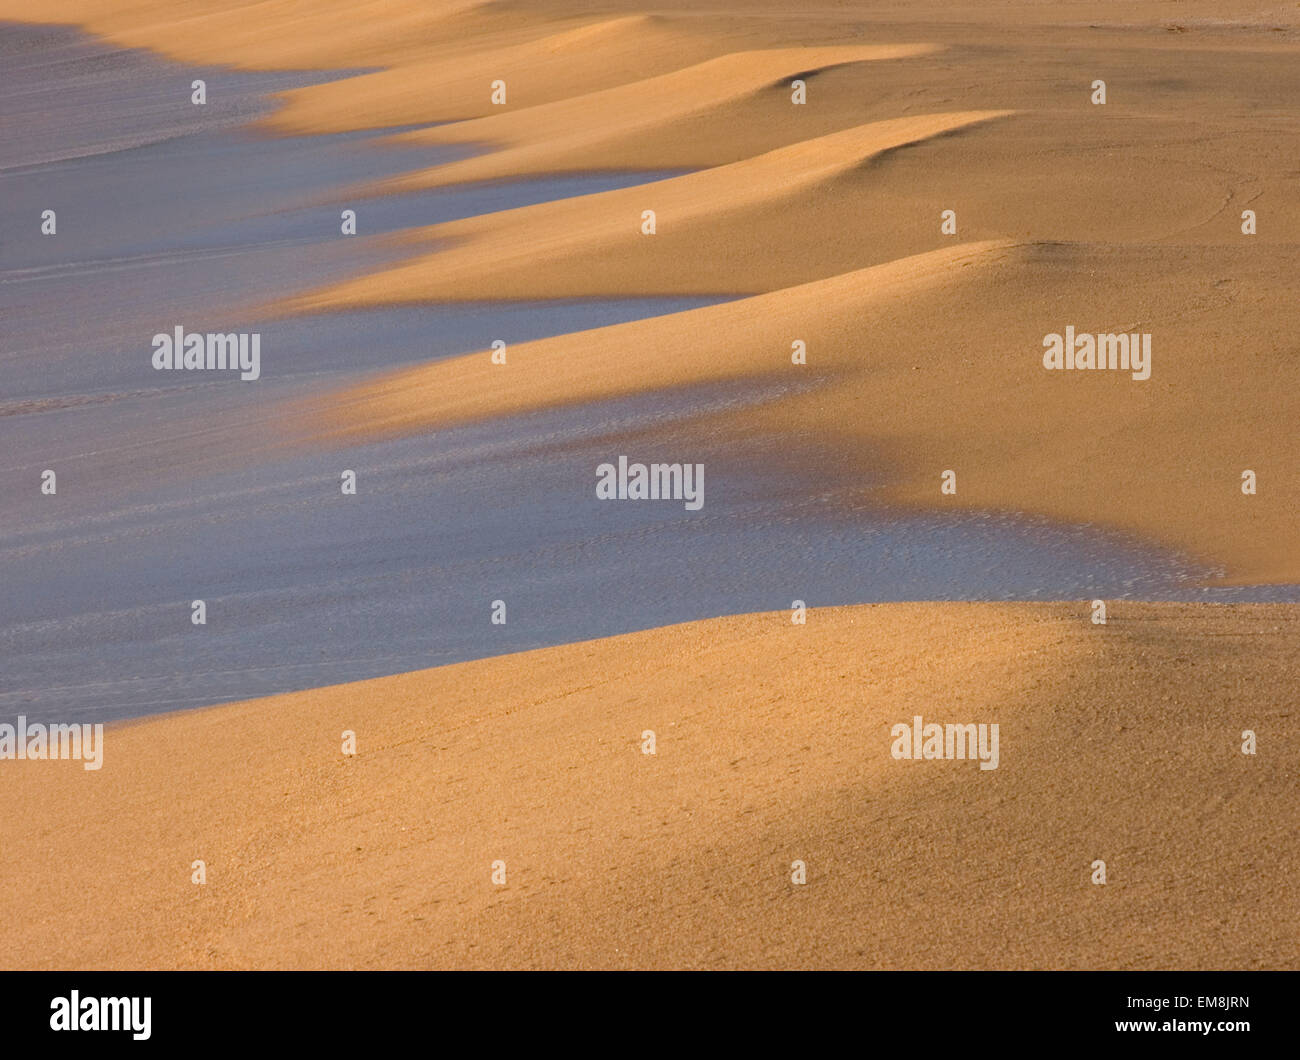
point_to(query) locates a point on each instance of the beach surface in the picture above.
(924, 345)
(1120, 743)
(686, 261)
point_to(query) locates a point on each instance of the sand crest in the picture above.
(547, 250)
(935, 363)
(591, 131)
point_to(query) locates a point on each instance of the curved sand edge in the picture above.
(934, 363)
(582, 132)
(772, 745)
(547, 250)
(456, 85)
(743, 339)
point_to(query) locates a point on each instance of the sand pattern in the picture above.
(902, 205)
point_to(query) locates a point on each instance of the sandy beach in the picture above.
(772, 745)
(842, 298)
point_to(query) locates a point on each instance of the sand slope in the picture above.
(1128, 217)
(773, 744)
(548, 250)
(739, 339)
(455, 82)
(934, 363)
(592, 131)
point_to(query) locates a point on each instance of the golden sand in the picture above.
(591, 131)
(934, 363)
(456, 83)
(1119, 743)
(548, 250)
(772, 746)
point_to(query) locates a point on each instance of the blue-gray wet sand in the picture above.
(174, 486)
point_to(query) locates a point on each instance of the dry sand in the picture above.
(1123, 217)
(1119, 742)
(933, 363)
(703, 219)
(456, 83)
(587, 131)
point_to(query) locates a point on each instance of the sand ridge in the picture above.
(456, 83)
(733, 340)
(1092, 447)
(522, 253)
(576, 133)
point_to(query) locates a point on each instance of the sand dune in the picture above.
(589, 131)
(735, 340)
(1161, 168)
(456, 83)
(772, 745)
(935, 363)
(546, 251)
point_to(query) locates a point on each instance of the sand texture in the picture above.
(1117, 742)
(816, 226)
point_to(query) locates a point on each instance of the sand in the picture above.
(934, 363)
(285, 34)
(586, 131)
(1119, 742)
(547, 250)
(584, 56)
(1123, 217)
